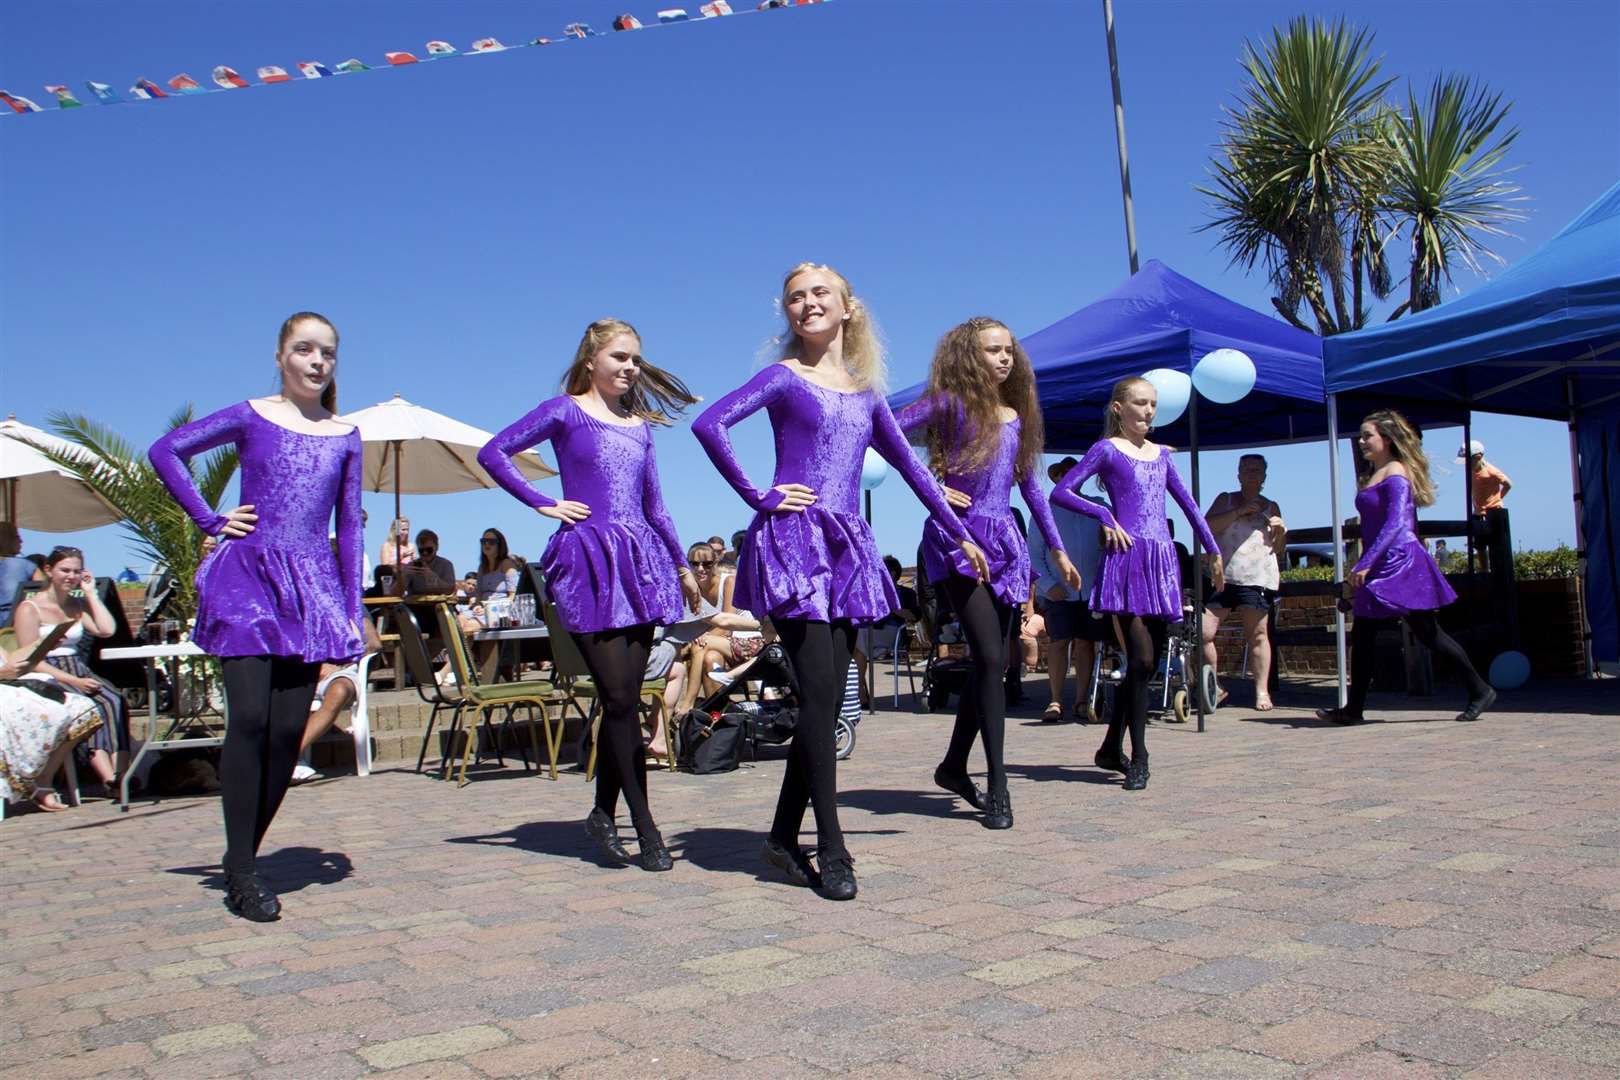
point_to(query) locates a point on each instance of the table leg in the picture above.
(151, 732)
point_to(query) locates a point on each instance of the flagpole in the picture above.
(1119, 132)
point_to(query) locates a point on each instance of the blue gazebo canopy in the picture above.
(1159, 319)
(1547, 327)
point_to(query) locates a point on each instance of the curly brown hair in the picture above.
(1406, 447)
(965, 439)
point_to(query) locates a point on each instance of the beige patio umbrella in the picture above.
(417, 450)
(37, 494)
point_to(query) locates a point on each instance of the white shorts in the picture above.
(351, 672)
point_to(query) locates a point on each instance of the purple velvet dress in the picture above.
(820, 564)
(1145, 579)
(279, 590)
(989, 520)
(620, 566)
(1401, 575)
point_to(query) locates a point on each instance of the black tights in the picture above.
(267, 703)
(1426, 628)
(1131, 699)
(820, 655)
(986, 623)
(617, 660)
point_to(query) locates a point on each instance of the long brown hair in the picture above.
(657, 396)
(485, 563)
(863, 345)
(1406, 447)
(1111, 425)
(329, 395)
(966, 439)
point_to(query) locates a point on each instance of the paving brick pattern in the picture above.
(1417, 898)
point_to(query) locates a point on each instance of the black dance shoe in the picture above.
(960, 785)
(600, 827)
(1136, 777)
(793, 862)
(1111, 760)
(247, 897)
(654, 855)
(1340, 716)
(998, 809)
(1477, 707)
(837, 875)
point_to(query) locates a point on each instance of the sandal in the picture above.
(1053, 713)
(49, 801)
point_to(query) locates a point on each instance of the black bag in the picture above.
(710, 744)
(773, 724)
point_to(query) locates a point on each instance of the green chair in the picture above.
(574, 679)
(487, 697)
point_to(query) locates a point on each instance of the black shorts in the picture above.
(1069, 620)
(1236, 596)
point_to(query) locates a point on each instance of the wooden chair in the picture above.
(486, 698)
(574, 678)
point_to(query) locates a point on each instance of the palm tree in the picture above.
(119, 472)
(1447, 183)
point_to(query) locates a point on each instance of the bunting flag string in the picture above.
(226, 78)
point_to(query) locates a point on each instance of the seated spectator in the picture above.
(495, 563)
(70, 595)
(721, 654)
(14, 569)
(39, 725)
(431, 574)
(338, 689)
(397, 548)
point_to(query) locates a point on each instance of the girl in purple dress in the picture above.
(1138, 578)
(1396, 578)
(809, 562)
(274, 602)
(981, 423)
(616, 568)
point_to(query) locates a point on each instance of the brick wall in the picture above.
(133, 598)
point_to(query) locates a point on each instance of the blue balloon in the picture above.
(1510, 670)
(1224, 376)
(1175, 389)
(874, 470)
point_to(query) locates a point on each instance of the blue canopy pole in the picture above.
(1338, 540)
(1197, 687)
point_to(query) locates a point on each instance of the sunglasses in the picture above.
(61, 551)
(489, 540)
(428, 552)
(700, 562)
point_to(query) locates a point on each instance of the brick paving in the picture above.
(1416, 898)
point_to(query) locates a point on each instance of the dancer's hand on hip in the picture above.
(567, 511)
(239, 522)
(1117, 539)
(959, 500)
(795, 497)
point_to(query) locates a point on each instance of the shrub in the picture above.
(1560, 562)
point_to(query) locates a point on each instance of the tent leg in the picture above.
(1196, 690)
(1580, 531)
(1338, 540)
(1468, 493)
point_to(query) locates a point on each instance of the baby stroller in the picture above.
(773, 717)
(1173, 673)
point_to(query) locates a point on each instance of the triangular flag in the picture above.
(541, 41)
(314, 69)
(228, 78)
(18, 103)
(487, 44)
(185, 84)
(716, 9)
(627, 22)
(104, 93)
(350, 65)
(673, 15)
(272, 74)
(440, 48)
(147, 89)
(579, 30)
(64, 97)
(397, 58)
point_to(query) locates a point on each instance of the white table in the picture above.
(154, 744)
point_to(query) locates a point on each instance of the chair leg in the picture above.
(447, 761)
(72, 772)
(553, 737)
(427, 736)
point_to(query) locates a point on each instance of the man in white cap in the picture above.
(1489, 484)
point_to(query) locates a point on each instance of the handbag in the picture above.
(709, 743)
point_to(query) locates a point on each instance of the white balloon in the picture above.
(1175, 389)
(874, 470)
(1224, 376)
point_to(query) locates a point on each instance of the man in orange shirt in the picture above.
(1489, 484)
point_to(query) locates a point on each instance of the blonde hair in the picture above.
(1406, 447)
(863, 346)
(1111, 424)
(959, 375)
(657, 396)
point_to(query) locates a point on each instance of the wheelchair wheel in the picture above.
(1211, 690)
(843, 739)
(1182, 704)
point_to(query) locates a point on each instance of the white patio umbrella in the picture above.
(37, 494)
(427, 453)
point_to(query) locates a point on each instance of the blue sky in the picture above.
(462, 221)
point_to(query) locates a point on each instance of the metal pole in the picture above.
(868, 506)
(1468, 493)
(399, 451)
(1338, 541)
(1580, 530)
(1119, 131)
(1197, 567)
